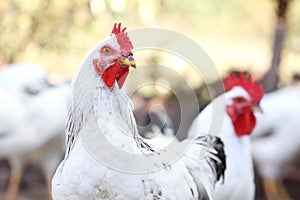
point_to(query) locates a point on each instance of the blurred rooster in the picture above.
(241, 100)
(31, 126)
(276, 138)
(101, 131)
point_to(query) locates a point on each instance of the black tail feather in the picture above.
(218, 145)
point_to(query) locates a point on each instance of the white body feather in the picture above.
(98, 181)
(32, 117)
(281, 122)
(21, 79)
(30, 125)
(239, 177)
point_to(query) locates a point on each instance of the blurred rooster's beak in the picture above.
(129, 61)
(256, 108)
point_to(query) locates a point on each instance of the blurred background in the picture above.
(258, 36)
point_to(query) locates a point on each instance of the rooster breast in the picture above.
(98, 181)
(83, 175)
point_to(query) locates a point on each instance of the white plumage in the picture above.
(107, 159)
(35, 122)
(239, 179)
(276, 138)
(31, 125)
(23, 79)
(239, 176)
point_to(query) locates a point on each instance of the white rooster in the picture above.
(241, 99)
(276, 138)
(107, 159)
(32, 131)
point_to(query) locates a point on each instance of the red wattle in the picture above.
(122, 77)
(243, 123)
(110, 74)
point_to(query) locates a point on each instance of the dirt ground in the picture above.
(33, 186)
(292, 183)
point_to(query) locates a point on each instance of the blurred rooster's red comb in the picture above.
(254, 89)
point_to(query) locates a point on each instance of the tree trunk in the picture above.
(271, 78)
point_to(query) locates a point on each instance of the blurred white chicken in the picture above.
(31, 128)
(241, 99)
(107, 159)
(276, 138)
(23, 79)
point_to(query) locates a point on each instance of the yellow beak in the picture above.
(129, 61)
(256, 108)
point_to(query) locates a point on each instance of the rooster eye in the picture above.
(239, 99)
(106, 50)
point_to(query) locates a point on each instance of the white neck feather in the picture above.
(113, 111)
(110, 108)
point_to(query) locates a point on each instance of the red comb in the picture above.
(122, 38)
(254, 90)
(117, 29)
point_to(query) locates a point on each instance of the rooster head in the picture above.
(114, 57)
(242, 100)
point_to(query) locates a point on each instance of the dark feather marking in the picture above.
(166, 166)
(192, 191)
(215, 142)
(142, 144)
(159, 193)
(71, 130)
(221, 167)
(264, 135)
(4, 134)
